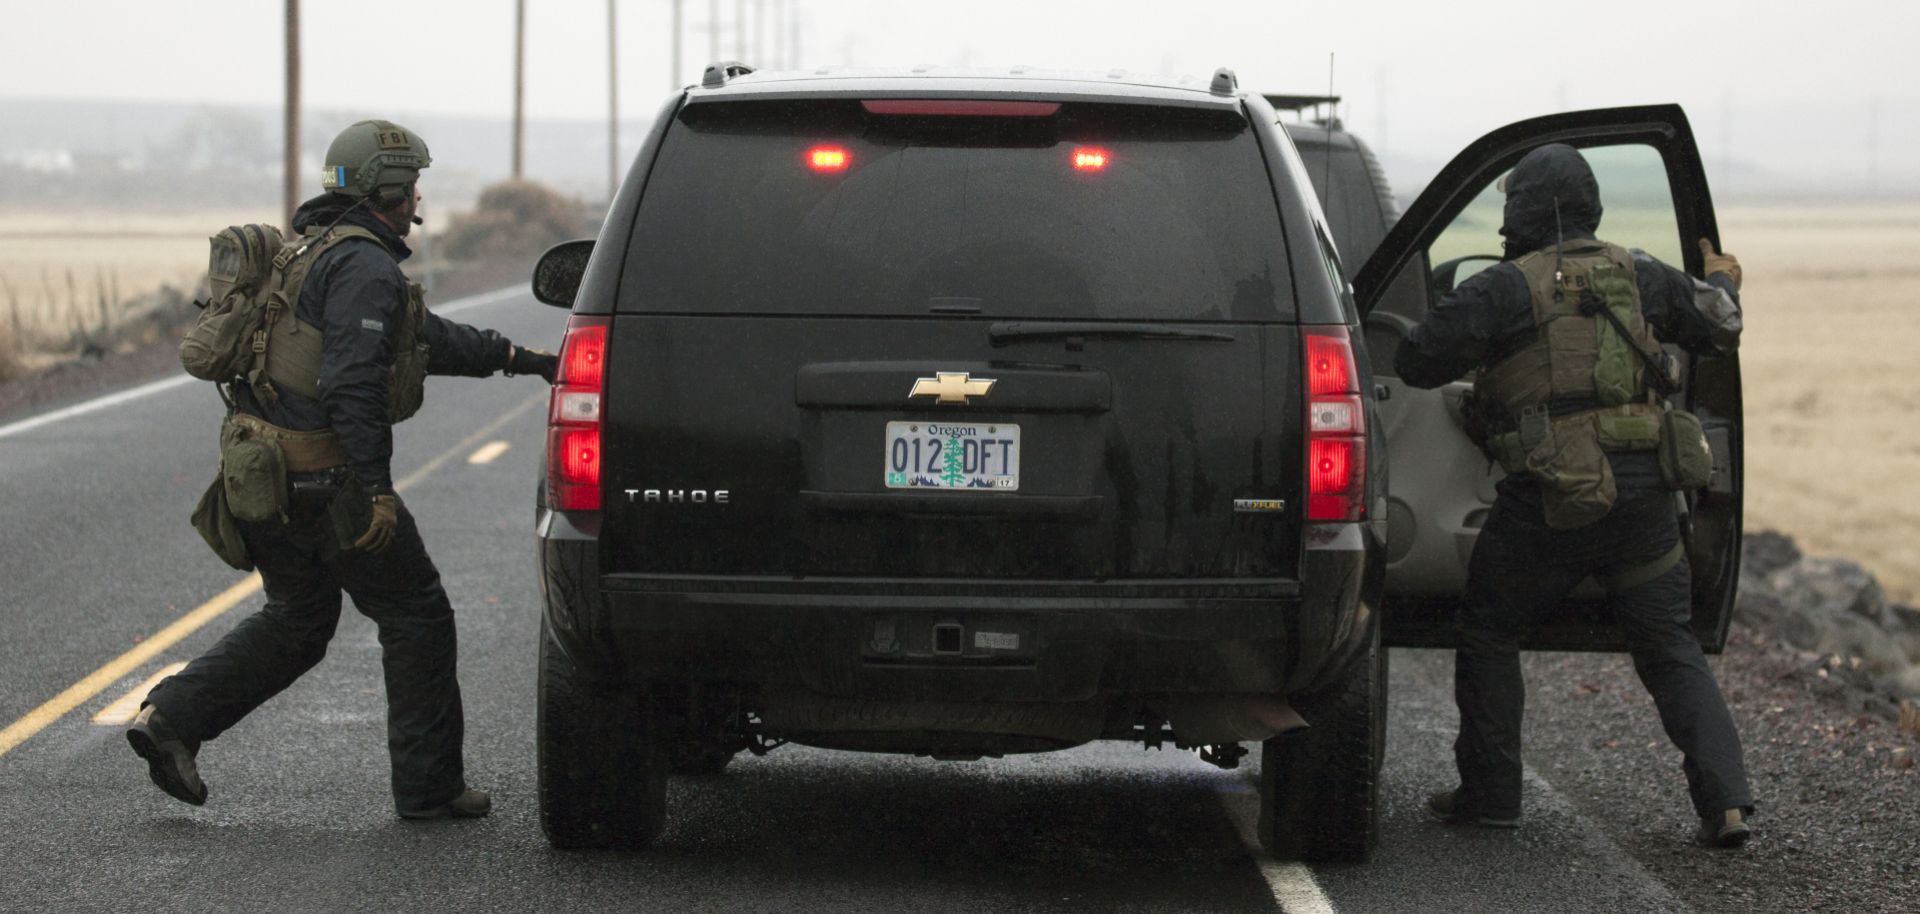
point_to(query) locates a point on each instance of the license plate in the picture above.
(953, 455)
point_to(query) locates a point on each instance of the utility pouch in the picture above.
(1686, 461)
(406, 383)
(254, 472)
(1627, 428)
(216, 524)
(1576, 481)
(350, 513)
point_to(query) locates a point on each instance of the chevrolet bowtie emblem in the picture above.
(951, 387)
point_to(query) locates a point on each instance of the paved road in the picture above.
(96, 558)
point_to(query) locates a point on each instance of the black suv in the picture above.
(970, 414)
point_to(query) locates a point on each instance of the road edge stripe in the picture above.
(1292, 884)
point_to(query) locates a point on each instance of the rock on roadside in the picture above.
(1832, 607)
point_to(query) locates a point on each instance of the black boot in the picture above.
(1728, 829)
(1450, 807)
(470, 804)
(169, 759)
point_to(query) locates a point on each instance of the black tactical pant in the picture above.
(398, 588)
(1522, 568)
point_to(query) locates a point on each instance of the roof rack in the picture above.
(1299, 104)
(717, 74)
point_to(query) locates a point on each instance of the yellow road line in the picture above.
(488, 452)
(83, 691)
(127, 707)
(116, 669)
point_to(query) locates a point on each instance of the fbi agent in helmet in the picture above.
(344, 364)
(1565, 336)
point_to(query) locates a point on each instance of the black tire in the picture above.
(602, 774)
(1319, 787)
(698, 759)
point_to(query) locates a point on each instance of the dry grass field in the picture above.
(1833, 328)
(1832, 300)
(63, 272)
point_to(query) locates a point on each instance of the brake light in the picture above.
(573, 417)
(827, 158)
(958, 107)
(1088, 158)
(1336, 428)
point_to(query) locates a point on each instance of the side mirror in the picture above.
(556, 277)
(1449, 275)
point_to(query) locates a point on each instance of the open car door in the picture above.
(1655, 196)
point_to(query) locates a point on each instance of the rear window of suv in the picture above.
(1088, 211)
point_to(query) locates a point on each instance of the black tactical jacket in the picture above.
(357, 295)
(1490, 315)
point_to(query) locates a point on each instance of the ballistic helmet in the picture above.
(373, 154)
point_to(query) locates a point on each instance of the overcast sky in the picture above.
(1792, 88)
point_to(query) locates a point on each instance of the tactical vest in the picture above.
(291, 348)
(1577, 367)
(1577, 389)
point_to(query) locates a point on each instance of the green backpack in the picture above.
(224, 341)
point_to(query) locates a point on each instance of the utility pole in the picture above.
(613, 100)
(759, 32)
(1726, 139)
(1380, 100)
(793, 33)
(290, 136)
(781, 13)
(1873, 142)
(673, 79)
(519, 83)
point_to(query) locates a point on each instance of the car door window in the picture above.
(1637, 204)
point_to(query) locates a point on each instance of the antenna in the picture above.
(1326, 158)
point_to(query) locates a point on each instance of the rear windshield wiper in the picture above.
(1004, 332)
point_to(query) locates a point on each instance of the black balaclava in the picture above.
(1555, 172)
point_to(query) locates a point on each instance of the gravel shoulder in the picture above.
(1838, 820)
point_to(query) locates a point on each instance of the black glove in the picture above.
(532, 361)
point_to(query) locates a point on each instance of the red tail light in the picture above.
(1336, 428)
(573, 417)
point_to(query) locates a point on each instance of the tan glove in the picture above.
(1720, 263)
(386, 519)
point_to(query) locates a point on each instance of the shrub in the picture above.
(513, 220)
(10, 365)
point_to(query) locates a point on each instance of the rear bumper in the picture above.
(959, 640)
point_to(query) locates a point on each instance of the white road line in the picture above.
(1292, 884)
(115, 399)
(128, 706)
(81, 409)
(485, 298)
(488, 452)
